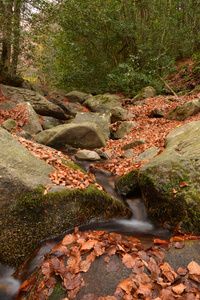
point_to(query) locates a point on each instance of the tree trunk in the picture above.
(16, 35)
(7, 32)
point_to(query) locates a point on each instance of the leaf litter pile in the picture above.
(149, 275)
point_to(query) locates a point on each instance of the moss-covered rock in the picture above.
(170, 182)
(128, 184)
(36, 216)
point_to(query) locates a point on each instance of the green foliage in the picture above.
(116, 45)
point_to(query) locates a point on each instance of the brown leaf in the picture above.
(88, 245)
(68, 239)
(128, 261)
(166, 295)
(179, 289)
(194, 271)
(168, 272)
(72, 293)
(176, 239)
(182, 271)
(85, 265)
(179, 245)
(107, 259)
(160, 242)
(71, 281)
(126, 285)
(59, 250)
(182, 184)
(174, 191)
(51, 282)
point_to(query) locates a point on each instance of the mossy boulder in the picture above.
(127, 185)
(185, 111)
(36, 216)
(146, 92)
(85, 135)
(170, 182)
(101, 103)
(124, 128)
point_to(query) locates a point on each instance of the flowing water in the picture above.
(138, 226)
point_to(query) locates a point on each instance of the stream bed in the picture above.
(138, 226)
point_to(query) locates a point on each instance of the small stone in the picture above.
(87, 155)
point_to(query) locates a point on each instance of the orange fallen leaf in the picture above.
(182, 184)
(179, 289)
(174, 191)
(161, 242)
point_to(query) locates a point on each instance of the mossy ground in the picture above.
(36, 216)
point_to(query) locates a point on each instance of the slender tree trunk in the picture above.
(16, 35)
(7, 32)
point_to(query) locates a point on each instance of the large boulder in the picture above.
(124, 128)
(170, 182)
(101, 103)
(19, 169)
(101, 119)
(85, 135)
(185, 111)
(40, 104)
(33, 126)
(76, 96)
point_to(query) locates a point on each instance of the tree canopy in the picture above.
(101, 45)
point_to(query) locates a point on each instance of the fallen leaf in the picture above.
(179, 245)
(194, 271)
(128, 261)
(161, 242)
(174, 191)
(182, 184)
(68, 239)
(126, 285)
(179, 289)
(182, 271)
(168, 272)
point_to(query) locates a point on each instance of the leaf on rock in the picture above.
(72, 293)
(128, 261)
(168, 272)
(160, 242)
(179, 245)
(194, 271)
(88, 245)
(68, 239)
(71, 281)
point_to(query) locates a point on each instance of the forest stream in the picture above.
(138, 226)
